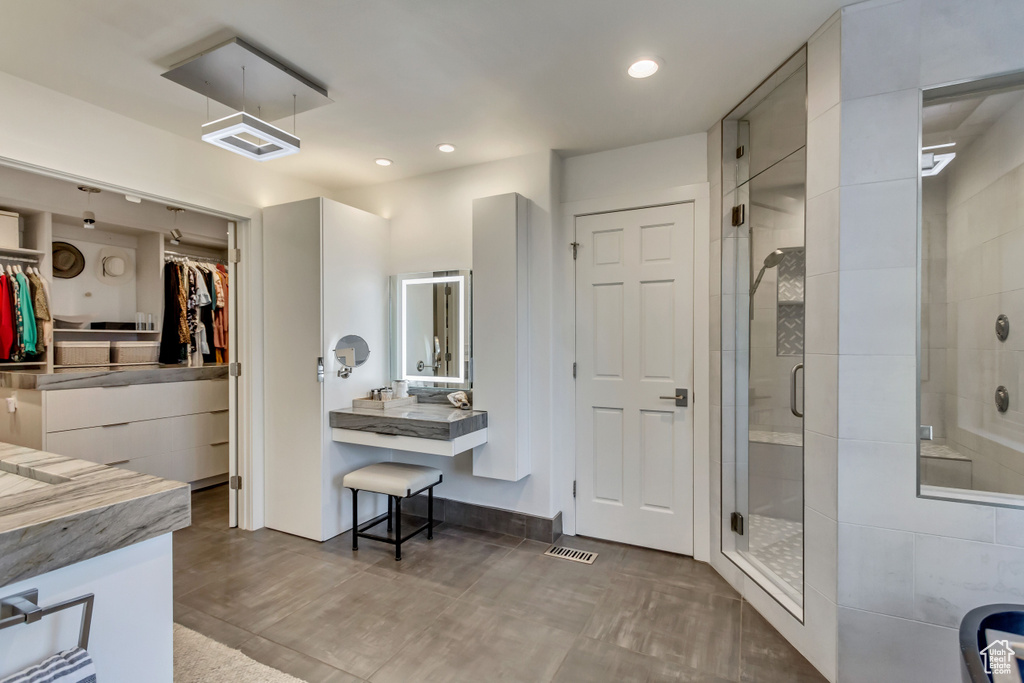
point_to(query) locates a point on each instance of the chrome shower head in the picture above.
(773, 259)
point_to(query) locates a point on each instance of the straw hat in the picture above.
(68, 261)
(114, 266)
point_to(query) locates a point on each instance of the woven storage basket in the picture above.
(125, 352)
(82, 353)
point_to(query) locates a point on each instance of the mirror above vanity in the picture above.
(431, 329)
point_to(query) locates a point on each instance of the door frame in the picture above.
(698, 194)
(248, 446)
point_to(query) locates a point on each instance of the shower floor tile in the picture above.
(778, 544)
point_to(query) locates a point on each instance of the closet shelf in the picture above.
(29, 364)
(91, 331)
(104, 365)
(18, 251)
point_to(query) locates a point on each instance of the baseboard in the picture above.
(485, 518)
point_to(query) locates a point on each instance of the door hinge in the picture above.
(235, 482)
(573, 488)
(574, 371)
(736, 522)
(235, 369)
(739, 215)
(740, 151)
(235, 255)
(575, 249)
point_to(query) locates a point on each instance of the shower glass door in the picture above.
(763, 254)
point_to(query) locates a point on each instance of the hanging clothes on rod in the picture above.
(26, 322)
(192, 287)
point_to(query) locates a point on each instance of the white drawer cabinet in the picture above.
(94, 407)
(175, 430)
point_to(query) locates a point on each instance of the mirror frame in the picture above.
(399, 352)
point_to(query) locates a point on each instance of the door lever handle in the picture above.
(681, 398)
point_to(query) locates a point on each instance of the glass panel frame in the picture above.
(784, 138)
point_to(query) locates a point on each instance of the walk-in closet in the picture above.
(115, 328)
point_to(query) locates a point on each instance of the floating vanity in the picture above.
(421, 427)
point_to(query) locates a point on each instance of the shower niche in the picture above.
(763, 273)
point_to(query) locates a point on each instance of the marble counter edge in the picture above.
(397, 425)
(35, 381)
(95, 510)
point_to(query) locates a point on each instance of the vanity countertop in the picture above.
(56, 511)
(425, 421)
(114, 376)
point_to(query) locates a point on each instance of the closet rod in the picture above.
(19, 258)
(174, 254)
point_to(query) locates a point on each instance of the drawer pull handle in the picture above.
(119, 462)
(218, 412)
(220, 443)
(116, 424)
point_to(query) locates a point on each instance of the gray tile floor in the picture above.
(468, 606)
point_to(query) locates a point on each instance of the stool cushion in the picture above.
(392, 478)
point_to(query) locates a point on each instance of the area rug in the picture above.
(198, 659)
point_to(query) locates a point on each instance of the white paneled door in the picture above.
(634, 354)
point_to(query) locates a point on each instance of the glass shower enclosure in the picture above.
(763, 255)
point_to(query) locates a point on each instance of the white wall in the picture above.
(652, 166)
(431, 229)
(86, 293)
(909, 568)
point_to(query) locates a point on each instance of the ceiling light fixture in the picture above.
(133, 199)
(948, 144)
(272, 142)
(175, 233)
(383, 162)
(932, 164)
(88, 217)
(643, 68)
(446, 147)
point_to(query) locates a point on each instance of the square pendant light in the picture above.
(226, 133)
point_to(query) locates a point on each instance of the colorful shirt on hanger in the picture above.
(41, 305)
(28, 314)
(6, 319)
(18, 345)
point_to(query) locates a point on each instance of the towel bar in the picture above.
(23, 608)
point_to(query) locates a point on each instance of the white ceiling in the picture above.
(498, 78)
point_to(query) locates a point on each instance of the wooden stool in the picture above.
(397, 481)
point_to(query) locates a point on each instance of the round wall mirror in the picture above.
(354, 341)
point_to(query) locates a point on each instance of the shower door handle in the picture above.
(792, 390)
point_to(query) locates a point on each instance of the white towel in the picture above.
(71, 666)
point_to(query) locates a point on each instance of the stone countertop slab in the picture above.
(425, 421)
(78, 510)
(115, 376)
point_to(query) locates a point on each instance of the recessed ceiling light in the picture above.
(643, 68)
(446, 147)
(383, 162)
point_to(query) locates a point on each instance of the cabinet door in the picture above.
(293, 405)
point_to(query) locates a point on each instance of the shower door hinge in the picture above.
(574, 371)
(235, 482)
(575, 249)
(739, 215)
(235, 369)
(573, 488)
(736, 522)
(740, 151)
(235, 255)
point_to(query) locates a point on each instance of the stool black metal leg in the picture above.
(430, 513)
(389, 513)
(398, 528)
(355, 520)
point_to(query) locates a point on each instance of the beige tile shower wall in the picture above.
(909, 568)
(985, 250)
(816, 636)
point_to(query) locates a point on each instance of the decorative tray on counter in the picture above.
(371, 404)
